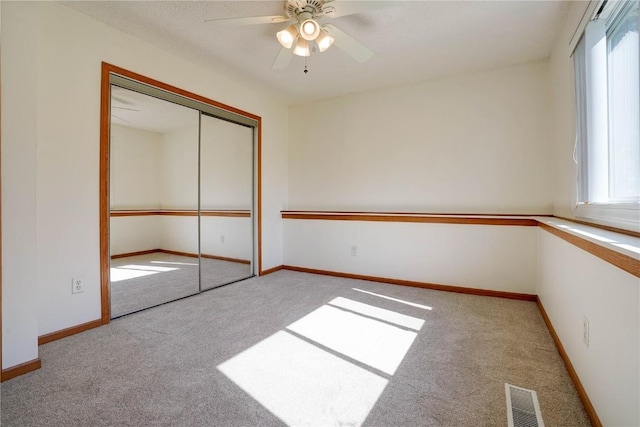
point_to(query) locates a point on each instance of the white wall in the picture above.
(501, 258)
(226, 165)
(135, 168)
(179, 233)
(134, 233)
(237, 233)
(563, 116)
(179, 168)
(151, 170)
(476, 143)
(19, 136)
(574, 284)
(52, 61)
(135, 181)
(226, 170)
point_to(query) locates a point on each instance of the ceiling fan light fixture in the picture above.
(309, 29)
(287, 36)
(324, 41)
(302, 48)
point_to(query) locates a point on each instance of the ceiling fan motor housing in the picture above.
(315, 8)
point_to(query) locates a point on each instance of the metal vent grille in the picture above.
(523, 409)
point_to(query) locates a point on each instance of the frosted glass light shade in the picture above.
(309, 29)
(324, 41)
(302, 48)
(287, 36)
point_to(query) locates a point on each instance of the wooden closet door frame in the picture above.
(105, 125)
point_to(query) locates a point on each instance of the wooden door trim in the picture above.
(105, 105)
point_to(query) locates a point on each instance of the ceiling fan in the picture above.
(305, 34)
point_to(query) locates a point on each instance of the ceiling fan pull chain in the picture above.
(306, 70)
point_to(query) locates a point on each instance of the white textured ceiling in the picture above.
(412, 40)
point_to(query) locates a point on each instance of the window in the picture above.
(607, 78)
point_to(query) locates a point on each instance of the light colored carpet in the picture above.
(294, 348)
(217, 273)
(144, 281)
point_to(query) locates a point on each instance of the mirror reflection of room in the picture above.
(154, 145)
(226, 197)
(154, 200)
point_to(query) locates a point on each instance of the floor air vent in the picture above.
(523, 409)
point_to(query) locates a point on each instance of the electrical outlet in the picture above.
(77, 286)
(354, 250)
(585, 331)
(222, 238)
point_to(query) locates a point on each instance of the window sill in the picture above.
(618, 242)
(625, 216)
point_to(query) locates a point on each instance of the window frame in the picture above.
(592, 124)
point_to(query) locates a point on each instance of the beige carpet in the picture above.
(144, 281)
(299, 349)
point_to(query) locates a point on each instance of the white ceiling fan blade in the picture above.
(348, 44)
(120, 118)
(118, 98)
(250, 20)
(336, 9)
(283, 59)
(124, 108)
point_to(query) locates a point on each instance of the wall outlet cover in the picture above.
(77, 286)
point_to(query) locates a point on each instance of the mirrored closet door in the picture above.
(181, 201)
(226, 199)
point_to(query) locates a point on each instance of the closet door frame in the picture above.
(112, 74)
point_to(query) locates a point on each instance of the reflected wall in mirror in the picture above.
(181, 201)
(153, 201)
(226, 199)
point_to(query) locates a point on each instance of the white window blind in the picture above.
(624, 105)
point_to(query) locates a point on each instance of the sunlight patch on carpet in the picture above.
(148, 268)
(302, 384)
(118, 274)
(329, 367)
(133, 271)
(376, 344)
(379, 313)
(175, 263)
(412, 304)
